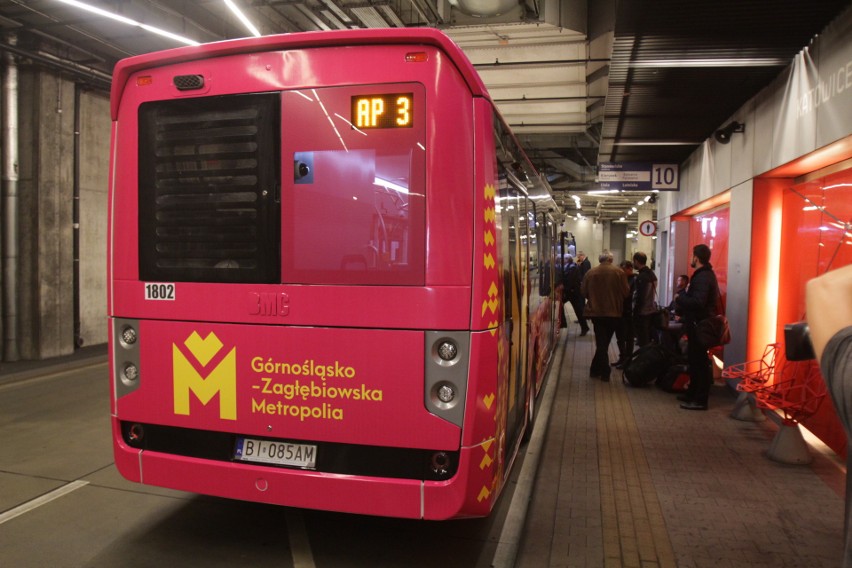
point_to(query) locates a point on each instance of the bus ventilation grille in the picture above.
(189, 82)
(208, 169)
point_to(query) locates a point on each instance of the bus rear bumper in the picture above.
(467, 494)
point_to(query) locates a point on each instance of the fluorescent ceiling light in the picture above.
(720, 62)
(128, 21)
(655, 143)
(242, 17)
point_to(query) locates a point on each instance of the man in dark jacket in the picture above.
(624, 333)
(644, 299)
(698, 303)
(573, 278)
(605, 287)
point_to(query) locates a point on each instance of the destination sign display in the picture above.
(638, 176)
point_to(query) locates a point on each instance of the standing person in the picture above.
(694, 305)
(605, 287)
(584, 263)
(680, 287)
(644, 299)
(561, 268)
(573, 277)
(624, 332)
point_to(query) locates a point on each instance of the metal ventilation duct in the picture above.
(484, 8)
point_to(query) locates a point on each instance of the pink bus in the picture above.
(331, 279)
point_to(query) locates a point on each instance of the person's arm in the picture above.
(829, 306)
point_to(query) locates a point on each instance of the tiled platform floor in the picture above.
(627, 478)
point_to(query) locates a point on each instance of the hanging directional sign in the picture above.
(638, 176)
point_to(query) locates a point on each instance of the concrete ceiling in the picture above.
(580, 82)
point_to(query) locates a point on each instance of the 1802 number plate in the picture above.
(279, 453)
(159, 291)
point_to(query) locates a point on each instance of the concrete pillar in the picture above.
(46, 202)
(9, 283)
(94, 182)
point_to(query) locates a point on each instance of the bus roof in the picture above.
(389, 36)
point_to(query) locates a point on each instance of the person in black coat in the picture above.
(573, 278)
(698, 302)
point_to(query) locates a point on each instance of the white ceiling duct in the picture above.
(484, 8)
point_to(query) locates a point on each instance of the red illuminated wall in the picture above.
(712, 228)
(814, 241)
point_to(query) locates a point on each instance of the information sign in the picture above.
(638, 176)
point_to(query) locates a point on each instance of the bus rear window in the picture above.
(208, 173)
(353, 199)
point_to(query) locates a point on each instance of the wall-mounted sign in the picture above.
(638, 176)
(648, 228)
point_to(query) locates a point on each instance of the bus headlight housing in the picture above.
(447, 350)
(446, 370)
(126, 369)
(446, 393)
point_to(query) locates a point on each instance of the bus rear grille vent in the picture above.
(207, 173)
(189, 82)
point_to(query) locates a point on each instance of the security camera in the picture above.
(723, 135)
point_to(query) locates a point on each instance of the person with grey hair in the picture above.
(605, 289)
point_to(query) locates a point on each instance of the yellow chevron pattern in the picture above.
(488, 400)
(484, 494)
(489, 262)
(490, 192)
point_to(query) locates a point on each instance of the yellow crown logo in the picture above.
(221, 380)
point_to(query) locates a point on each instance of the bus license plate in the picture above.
(278, 453)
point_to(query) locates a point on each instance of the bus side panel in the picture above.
(487, 281)
(541, 342)
(338, 385)
(452, 161)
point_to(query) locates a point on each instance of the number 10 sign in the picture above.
(638, 176)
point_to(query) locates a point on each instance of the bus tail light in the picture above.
(445, 376)
(125, 353)
(416, 57)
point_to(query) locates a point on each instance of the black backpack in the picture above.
(647, 364)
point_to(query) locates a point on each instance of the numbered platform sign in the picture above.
(638, 176)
